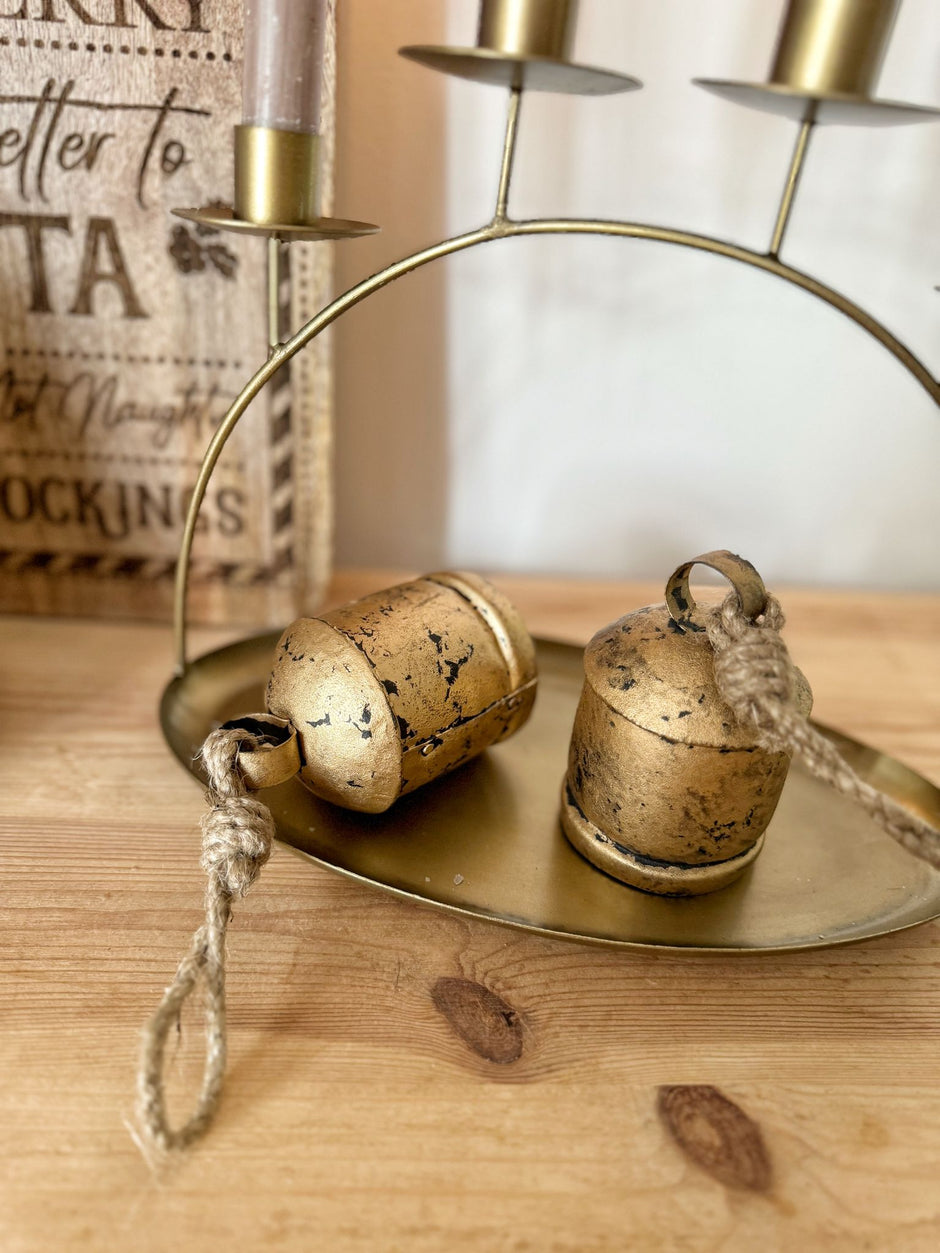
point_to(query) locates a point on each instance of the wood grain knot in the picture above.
(717, 1135)
(482, 1019)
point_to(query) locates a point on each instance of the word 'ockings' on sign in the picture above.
(99, 507)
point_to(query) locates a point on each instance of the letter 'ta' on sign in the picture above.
(102, 262)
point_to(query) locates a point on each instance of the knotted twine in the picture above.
(236, 842)
(755, 677)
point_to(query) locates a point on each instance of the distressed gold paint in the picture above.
(664, 789)
(402, 686)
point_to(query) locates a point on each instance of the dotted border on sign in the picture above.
(72, 354)
(108, 458)
(125, 50)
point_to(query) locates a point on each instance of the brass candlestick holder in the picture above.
(828, 874)
(277, 196)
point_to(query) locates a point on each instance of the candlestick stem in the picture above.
(274, 289)
(509, 152)
(791, 185)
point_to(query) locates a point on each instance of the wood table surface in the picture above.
(355, 1116)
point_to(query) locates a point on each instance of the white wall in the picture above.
(611, 407)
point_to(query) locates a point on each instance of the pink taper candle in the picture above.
(283, 63)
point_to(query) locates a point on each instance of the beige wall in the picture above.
(390, 352)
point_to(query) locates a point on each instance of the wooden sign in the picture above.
(125, 333)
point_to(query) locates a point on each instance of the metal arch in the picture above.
(503, 227)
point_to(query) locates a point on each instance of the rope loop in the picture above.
(237, 833)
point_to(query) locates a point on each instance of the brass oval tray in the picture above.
(486, 841)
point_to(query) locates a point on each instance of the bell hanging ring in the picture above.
(665, 790)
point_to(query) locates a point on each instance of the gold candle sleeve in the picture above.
(833, 45)
(535, 28)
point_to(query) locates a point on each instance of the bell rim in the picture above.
(648, 874)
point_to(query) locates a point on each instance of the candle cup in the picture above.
(833, 46)
(528, 28)
(277, 176)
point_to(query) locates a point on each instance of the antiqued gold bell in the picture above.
(402, 686)
(665, 790)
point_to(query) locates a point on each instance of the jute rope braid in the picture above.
(754, 674)
(236, 842)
